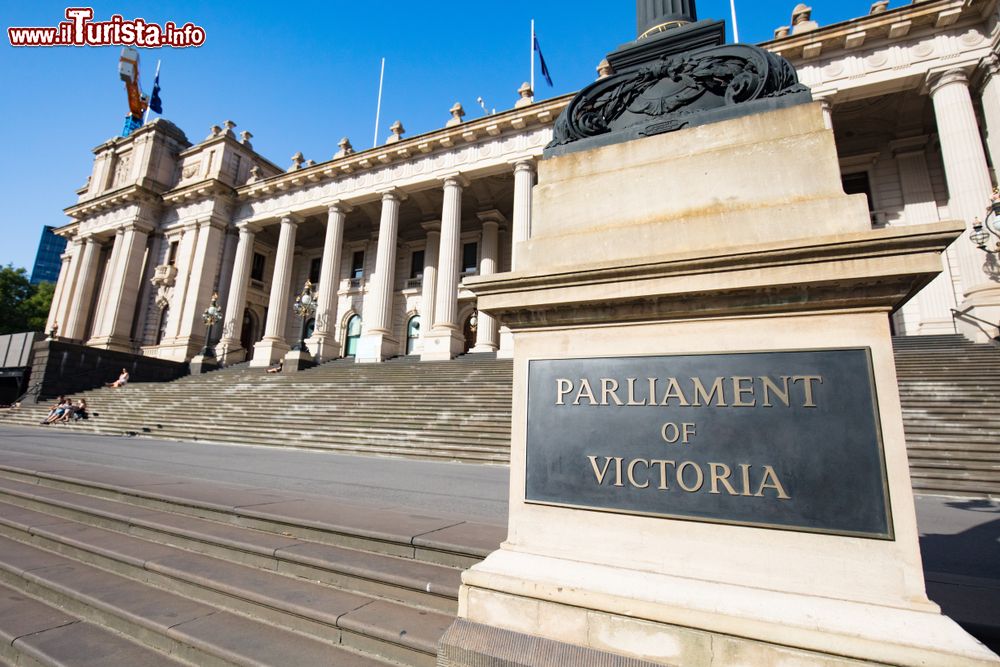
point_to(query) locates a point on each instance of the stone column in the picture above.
(487, 335)
(377, 342)
(934, 303)
(228, 261)
(524, 181)
(60, 292)
(201, 283)
(111, 271)
(969, 189)
(445, 341)
(68, 296)
(428, 286)
(827, 105)
(230, 349)
(125, 274)
(184, 261)
(83, 294)
(323, 344)
(273, 346)
(991, 109)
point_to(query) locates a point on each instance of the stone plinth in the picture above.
(728, 238)
(297, 360)
(202, 364)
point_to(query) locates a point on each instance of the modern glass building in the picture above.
(48, 259)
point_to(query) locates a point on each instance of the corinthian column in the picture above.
(428, 286)
(991, 108)
(377, 342)
(487, 335)
(273, 346)
(83, 293)
(230, 349)
(322, 342)
(122, 291)
(445, 340)
(969, 189)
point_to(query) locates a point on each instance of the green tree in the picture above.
(23, 306)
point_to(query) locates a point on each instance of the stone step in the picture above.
(426, 585)
(199, 632)
(35, 633)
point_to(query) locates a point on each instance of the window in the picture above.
(257, 267)
(358, 264)
(417, 264)
(314, 270)
(353, 335)
(172, 253)
(470, 257)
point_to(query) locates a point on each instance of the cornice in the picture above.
(540, 114)
(130, 194)
(208, 188)
(893, 24)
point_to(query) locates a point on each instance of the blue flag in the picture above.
(541, 58)
(156, 104)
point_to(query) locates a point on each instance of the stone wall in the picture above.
(67, 368)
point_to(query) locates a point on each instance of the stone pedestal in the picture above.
(297, 360)
(442, 343)
(728, 532)
(202, 364)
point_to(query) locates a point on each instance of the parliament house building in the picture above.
(387, 236)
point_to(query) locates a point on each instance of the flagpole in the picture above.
(378, 109)
(145, 118)
(532, 56)
(736, 28)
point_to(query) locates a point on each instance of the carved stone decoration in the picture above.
(677, 91)
(164, 277)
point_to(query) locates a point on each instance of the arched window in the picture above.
(248, 332)
(412, 334)
(353, 334)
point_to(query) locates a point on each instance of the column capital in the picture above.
(909, 145)
(339, 207)
(523, 164)
(493, 217)
(432, 226)
(248, 227)
(290, 218)
(990, 66)
(936, 80)
(455, 179)
(393, 194)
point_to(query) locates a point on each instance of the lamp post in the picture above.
(983, 229)
(305, 307)
(211, 315)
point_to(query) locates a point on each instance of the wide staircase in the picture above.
(950, 391)
(113, 568)
(461, 410)
(458, 410)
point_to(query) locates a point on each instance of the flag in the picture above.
(155, 103)
(541, 58)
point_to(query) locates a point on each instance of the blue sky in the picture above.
(299, 76)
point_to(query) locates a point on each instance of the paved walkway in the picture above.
(960, 537)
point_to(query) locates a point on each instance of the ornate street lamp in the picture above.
(982, 229)
(305, 307)
(211, 315)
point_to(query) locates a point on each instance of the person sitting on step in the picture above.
(276, 368)
(59, 410)
(73, 411)
(81, 411)
(121, 381)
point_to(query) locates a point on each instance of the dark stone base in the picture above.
(67, 368)
(468, 644)
(202, 364)
(700, 35)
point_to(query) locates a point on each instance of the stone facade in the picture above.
(912, 95)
